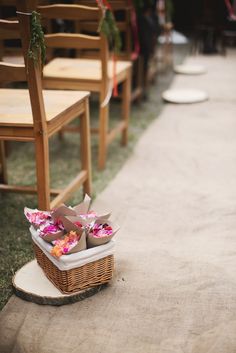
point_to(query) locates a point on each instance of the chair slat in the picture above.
(69, 12)
(8, 2)
(120, 5)
(115, 4)
(71, 40)
(9, 29)
(93, 26)
(12, 72)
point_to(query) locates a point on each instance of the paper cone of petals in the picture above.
(36, 217)
(49, 237)
(83, 221)
(82, 245)
(72, 242)
(74, 223)
(51, 230)
(101, 232)
(83, 207)
(61, 211)
(83, 210)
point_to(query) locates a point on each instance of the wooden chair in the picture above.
(95, 75)
(33, 115)
(122, 11)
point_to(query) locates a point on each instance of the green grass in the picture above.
(15, 247)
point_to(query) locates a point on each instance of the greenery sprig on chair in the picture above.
(108, 26)
(37, 46)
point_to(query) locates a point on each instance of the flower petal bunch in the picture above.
(89, 215)
(51, 227)
(63, 246)
(36, 217)
(44, 223)
(101, 230)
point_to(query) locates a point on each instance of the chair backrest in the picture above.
(9, 31)
(76, 40)
(122, 13)
(122, 10)
(11, 72)
(7, 8)
(31, 71)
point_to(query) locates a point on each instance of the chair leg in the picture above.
(61, 134)
(140, 76)
(42, 171)
(223, 44)
(126, 93)
(137, 80)
(3, 164)
(103, 129)
(168, 48)
(86, 148)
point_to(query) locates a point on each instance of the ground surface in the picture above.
(174, 286)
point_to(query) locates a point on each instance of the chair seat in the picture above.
(82, 69)
(15, 108)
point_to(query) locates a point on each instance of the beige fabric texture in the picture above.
(174, 289)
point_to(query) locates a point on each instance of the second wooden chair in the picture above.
(95, 75)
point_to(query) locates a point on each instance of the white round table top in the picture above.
(181, 96)
(30, 283)
(187, 69)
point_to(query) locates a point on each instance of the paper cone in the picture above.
(96, 241)
(83, 207)
(104, 216)
(83, 220)
(31, 211)
(62, 211)
(80, 246)
(68, 223)
(49, 237)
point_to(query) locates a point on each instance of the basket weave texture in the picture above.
(89, 275)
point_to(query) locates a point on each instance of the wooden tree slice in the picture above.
(30, 283)
(187, 69)
(184, 96)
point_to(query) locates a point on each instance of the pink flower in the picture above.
(37, 217)
(101, 230)
(90, 214)
(78, 224)
(59, 224)
(50, 229)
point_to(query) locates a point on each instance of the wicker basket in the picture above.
(70, 281)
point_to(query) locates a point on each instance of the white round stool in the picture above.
(184, 96)
(187, 69)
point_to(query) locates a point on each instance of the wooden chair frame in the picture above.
(100, 85)
(42, 124)
(125, 29)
